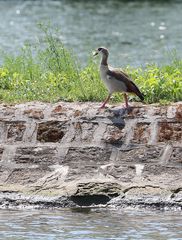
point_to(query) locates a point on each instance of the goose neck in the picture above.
(104, 60)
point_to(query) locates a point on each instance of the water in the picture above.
(89, 225)
(136, 32)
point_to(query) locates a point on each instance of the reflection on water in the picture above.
(90, 225)
(136, 32)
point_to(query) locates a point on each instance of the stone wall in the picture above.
(72, 154)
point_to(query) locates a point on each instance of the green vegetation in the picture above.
(47, 71)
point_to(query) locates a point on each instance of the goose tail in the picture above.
(141, 96)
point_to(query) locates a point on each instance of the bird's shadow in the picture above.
(118, 115)
(121, 112)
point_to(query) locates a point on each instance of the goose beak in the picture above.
(95, 53)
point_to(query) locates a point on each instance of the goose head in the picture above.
(102, 51)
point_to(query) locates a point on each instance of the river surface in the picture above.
(136, 32)
(89, 225)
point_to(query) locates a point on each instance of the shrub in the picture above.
(48, 71)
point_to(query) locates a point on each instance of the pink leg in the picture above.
(104, 103)
(126, 100)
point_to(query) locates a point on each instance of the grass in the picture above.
(48, 71)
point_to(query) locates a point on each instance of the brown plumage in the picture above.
(130, 85)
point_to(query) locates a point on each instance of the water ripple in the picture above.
(132, 27)
(91, 225)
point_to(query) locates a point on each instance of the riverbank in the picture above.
(73, 155)
(47, 71)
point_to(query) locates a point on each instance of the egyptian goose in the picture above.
(115, 79)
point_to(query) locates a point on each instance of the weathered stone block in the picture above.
(7, 111)
(176, 156)
(157, 111)
(141, 133)
(15, 131)
(142, 154)
(121, 172)
(84, 131)
(86, 156)
(136, 112)
(26, 176)
(41, 155)
(179, 112)
(57, 110)
(85, 161)
(34, 113)
(51, 131)
(164, 170)
(113, 135)
(109, 189)
(169, 131)
(147, 192)
(81, 172)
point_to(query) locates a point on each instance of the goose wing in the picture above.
(124, 78)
